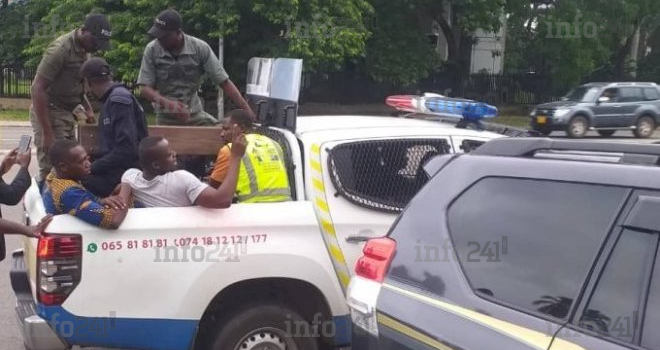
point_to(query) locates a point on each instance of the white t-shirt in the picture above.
(175, 189)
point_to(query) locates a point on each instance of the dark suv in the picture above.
(524, 243)
(604, 107)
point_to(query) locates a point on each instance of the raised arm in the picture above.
(11, 194)
(222, 196)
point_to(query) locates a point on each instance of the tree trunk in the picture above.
(452, 46)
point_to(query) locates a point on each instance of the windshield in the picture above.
(581, 94)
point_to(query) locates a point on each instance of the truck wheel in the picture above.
(265, 326)
(577, 127)
(645, 127)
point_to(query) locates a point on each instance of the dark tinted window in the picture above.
(385, 174)
(530, 243)
(651, 94)
(613, 308)
(651, 333)
(631, 94)
(470, 145)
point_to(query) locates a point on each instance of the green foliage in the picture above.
(250, 28)
(577, 41)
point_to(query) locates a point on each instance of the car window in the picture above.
(631, 94)
(383, 174)
(530, 243)
(612, 93)
(650, 334)
(613, 308)
(470, 145)
(651, 94)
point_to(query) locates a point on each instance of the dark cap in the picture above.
(99, 26)
(166, 21)
(95, 67)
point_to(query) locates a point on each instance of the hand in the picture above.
(47, 141)
(90, 118)
(238, 143)
(36, 231)
(114, 202)
(180, 109)
(23, 159)
(8, 161)
(251, 114)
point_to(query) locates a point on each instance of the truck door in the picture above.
(361, 187)
(621, 303)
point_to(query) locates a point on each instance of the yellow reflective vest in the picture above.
(262, 176)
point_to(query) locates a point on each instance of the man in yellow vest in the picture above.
(263, 175)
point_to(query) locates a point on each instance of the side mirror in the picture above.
(3, 247)
(603, 99)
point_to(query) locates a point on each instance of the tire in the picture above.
(645, 127)
(606, 133)
(264, 326)
(577, 127)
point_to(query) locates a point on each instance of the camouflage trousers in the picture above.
(63, 124)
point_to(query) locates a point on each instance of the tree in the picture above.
(400, 50)
(252, 28)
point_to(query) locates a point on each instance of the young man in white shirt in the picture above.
(160, 184)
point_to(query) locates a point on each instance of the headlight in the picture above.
(533, 113)
(561, 112)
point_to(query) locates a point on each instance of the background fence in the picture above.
(352, 88)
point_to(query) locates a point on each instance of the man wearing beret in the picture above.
(173, 65)
(57, 88)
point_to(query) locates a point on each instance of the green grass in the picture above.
(23, 115)
(14, 115)
(21, 87)
(516, 121)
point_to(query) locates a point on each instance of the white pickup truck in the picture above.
(253, 276)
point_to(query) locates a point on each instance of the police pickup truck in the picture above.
(253, 276)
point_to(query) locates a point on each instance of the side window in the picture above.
(631, 94)
(383, 174)
(612, 93)
(613, 309)
(650, 334)
(531, 243)
(470, 145)
(651, 94)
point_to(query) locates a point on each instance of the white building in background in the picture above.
(488, 51)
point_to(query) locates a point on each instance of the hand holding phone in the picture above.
(24, 144)
(24, 155)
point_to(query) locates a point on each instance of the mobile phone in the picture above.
(24, 144)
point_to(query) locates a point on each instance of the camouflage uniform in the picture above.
(179, 78)
(60, 67)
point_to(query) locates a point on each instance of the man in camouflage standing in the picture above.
(57, 87)
(173, 65)
(171, 74)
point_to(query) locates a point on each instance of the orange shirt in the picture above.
(221, 166)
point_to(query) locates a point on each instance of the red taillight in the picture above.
(59, 247)
(378, 254)
(59, 259)
(401, 102)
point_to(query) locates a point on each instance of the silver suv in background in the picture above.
(604, 107)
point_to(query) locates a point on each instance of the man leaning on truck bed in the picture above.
(57, 88)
